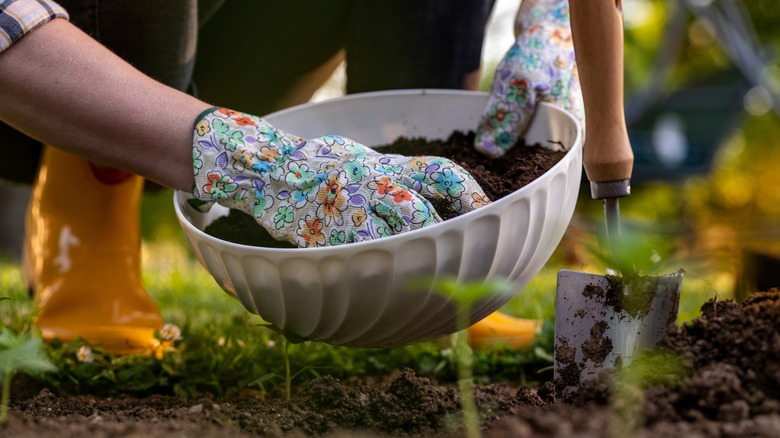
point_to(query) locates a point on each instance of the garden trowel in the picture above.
(602, 321)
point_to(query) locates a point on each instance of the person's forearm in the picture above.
(61, 87)
(597, 34)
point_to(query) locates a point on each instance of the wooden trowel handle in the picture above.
(597, 33)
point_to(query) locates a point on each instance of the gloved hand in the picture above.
(538, 67)
(324, 191)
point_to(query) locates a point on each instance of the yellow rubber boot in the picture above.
(501, 329)
(82, 255)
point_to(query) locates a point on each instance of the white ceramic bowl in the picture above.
(358, 294)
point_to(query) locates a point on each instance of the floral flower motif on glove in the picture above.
(540, 66)
(324, 191)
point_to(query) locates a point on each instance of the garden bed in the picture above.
(718, 375)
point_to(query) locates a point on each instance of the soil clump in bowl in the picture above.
(497, 177)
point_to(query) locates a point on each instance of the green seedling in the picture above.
(464, 295)
(650, 368)
(288, 377)
(634, 253)
(19, 354)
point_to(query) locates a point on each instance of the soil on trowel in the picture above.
(726, 383)
(497, 177)
(635, 304)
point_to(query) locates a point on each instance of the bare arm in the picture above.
(597, 33)
(63, 88)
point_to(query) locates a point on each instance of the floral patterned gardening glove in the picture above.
(538, 67)
(324, 191)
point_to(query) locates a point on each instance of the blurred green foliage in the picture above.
(715, 218)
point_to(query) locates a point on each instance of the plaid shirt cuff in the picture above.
(18, 17)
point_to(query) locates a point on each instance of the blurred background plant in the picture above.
(719, 96)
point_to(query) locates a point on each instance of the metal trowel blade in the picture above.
(601, 323)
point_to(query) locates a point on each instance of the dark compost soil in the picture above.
(498, 178)
(730, 387)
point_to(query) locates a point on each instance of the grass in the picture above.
(225, 346)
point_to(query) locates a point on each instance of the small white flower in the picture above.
(270, 343)
(170, 332)
(84, 354)
(221, 341)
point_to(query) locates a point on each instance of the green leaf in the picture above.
(543, 354)
(23, 355)
(8, 339)
(264, 378)
(463, 293)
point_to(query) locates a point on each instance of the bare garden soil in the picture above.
(729, 386)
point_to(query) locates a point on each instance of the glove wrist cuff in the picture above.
(536, 12)
(230, 150)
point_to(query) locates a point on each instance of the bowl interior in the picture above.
(356, 294)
